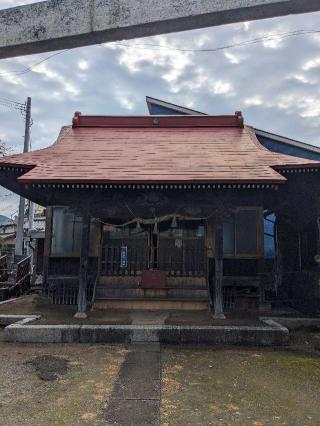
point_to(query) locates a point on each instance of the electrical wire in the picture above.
(30, 68)
(14, 105)
(18, 106)
(270, 37)
(12, 102)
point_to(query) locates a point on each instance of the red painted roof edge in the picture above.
(160, 121)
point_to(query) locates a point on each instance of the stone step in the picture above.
(104, 292)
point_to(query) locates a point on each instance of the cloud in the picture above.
(234, 59)
(276, 83)
(254, 101)
(311, 64)
(221, 87)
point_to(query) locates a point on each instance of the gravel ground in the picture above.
(72, 384)
(56, 384)
(48, 385)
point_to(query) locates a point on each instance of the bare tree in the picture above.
(4, 149)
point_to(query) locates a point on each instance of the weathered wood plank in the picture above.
(83, 273)
(218, 278)
(47, 246)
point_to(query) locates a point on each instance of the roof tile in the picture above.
(155, 155)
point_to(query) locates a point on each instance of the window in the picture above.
(229, 238)
(240, 234)
(66, 233)
(269, 236)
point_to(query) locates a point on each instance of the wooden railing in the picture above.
(22, 278)
(3, 269)
(19, 281)
(137, 258)
(65, 291)
(185, 261)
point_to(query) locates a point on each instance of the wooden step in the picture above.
(153, 304)
(189, 293)
(134, 282)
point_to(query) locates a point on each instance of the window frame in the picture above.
(94, 250)
(260, 235)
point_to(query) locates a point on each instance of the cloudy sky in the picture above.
(275, 82)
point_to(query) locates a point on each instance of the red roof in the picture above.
(155, 149)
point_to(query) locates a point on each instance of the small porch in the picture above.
(64, 314)
(160, 263)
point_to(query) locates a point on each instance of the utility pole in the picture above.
(20, 230)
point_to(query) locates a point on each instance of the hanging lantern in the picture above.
(174, 223)
(138, 227)
(155, 229)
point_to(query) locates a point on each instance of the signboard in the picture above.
(124, 257)
(153, 279)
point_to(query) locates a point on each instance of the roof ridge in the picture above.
(158, 121)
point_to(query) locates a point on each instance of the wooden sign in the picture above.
(124, 257)
(153, 279)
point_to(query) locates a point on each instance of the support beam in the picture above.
(61, 24)
(47, 248)
(218, 281)
(83, 274)
(318, 239)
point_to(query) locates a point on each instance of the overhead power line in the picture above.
(26, 70)
(271, 37)
(18, 106)
(12, 104)
(150, 46)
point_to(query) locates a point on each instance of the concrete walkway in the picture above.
(135, 398)
(148, 317)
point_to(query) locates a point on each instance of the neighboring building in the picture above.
(169, 212)
(8, 230)
(269, 140)
(33, 241)
(4, 219)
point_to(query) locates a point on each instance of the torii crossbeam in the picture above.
(60, 24)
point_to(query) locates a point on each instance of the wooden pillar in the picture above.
(218, 279)
(47, 249)
(83, 273)
(318, 240)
